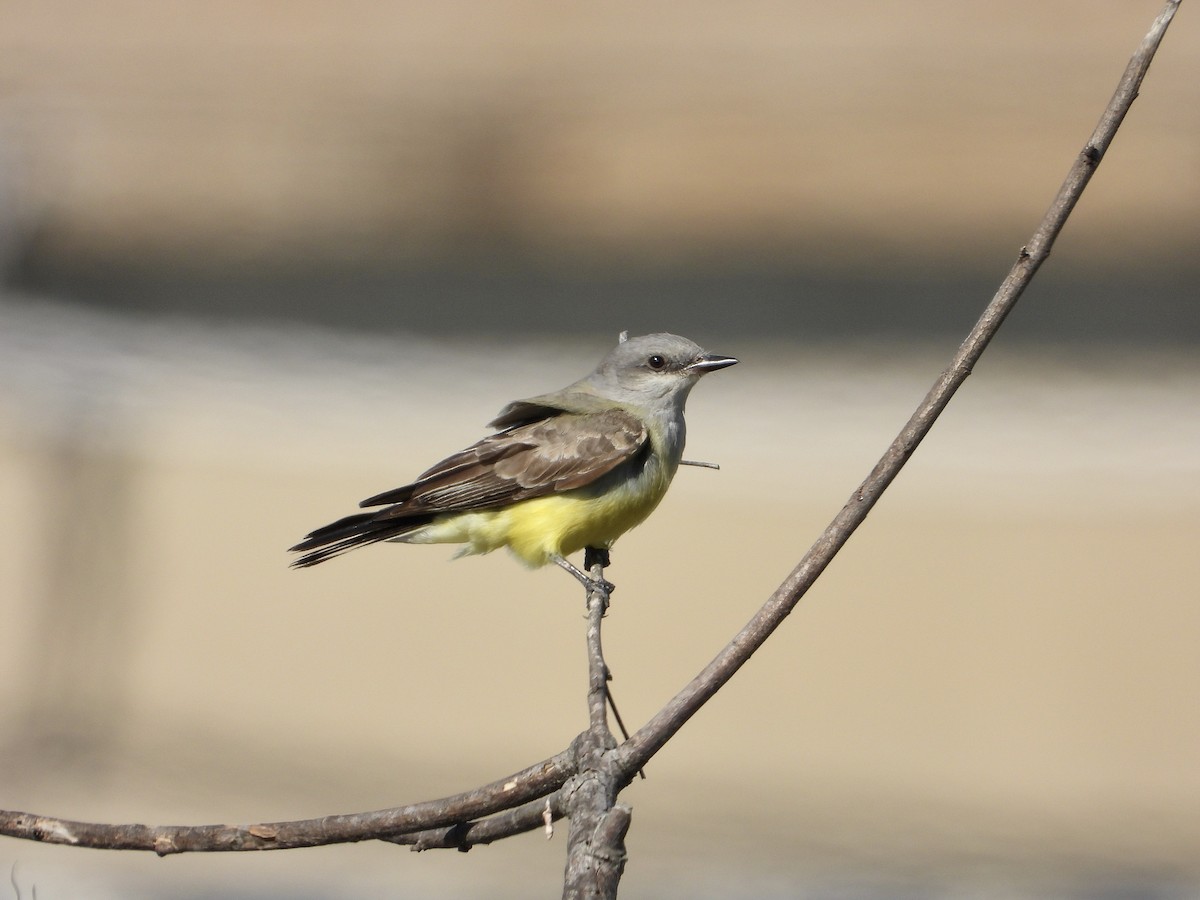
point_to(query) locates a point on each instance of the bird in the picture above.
(565, 471)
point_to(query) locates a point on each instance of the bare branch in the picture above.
(466, 835)
(591, 746)
(597, 695)
(596, 839)
(649, 739)
(529, 784)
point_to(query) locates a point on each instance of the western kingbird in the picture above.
(573, 469)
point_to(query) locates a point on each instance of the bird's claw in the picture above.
(603, 584)
(590, 583)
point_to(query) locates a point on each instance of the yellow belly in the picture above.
(558, 525)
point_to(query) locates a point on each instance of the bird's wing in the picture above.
(555, 454)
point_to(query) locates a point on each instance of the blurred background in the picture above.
(259, 261)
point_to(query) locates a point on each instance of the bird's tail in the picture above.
(357, 530)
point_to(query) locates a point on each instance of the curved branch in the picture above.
(528, 784)
(648, 740)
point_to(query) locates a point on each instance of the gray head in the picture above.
(652, 366)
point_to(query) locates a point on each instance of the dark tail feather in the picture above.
(357, 530)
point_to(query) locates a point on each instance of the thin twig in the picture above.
(597, 695)
(634, 753)
(466, 835)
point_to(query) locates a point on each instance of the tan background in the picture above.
(222, 132)
(992, 692)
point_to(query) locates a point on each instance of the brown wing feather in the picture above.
(544, 457)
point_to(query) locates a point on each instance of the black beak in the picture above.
(710, 362)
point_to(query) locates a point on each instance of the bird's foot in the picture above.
(598, 556)
(589, 583)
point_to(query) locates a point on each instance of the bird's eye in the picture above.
(656, 362)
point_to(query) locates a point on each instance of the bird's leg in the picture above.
(599, 556)
(596, 556)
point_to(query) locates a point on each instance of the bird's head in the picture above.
(650, 367)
